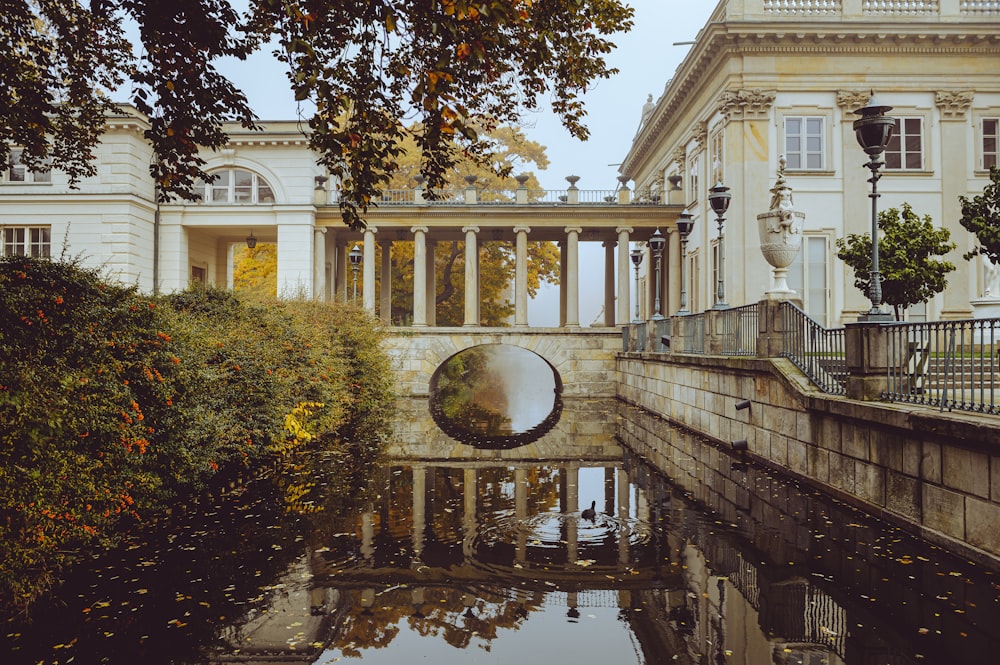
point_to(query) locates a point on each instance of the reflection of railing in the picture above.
(948, 364)
(817, 351)
(739, 331)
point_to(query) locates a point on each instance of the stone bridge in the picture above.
(583, 358)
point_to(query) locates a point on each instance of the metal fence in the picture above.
(948, 364)
(817, 351)
(694, 333)
(740, 329)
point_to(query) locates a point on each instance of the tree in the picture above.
(256, 271)
(455, 67)
(907, 245)
(981, 216)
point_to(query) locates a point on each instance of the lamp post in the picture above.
(656, 243)
(355, 256)
(636, 256)
(719, 198)
(873, 131)
(251, 241)
(684, 225)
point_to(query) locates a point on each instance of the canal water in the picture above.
(476, 546)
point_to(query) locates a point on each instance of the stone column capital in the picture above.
(418, 229)
(624, 229)
(743, 104)
(852, 100)
(522, 229)
(573, 229)
(953, 104)
(371, 229)
(468, 229)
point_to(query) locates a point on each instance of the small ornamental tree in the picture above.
(907, 247)
(981, 216)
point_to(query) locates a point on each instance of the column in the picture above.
(562, 283)
(572, 277)
(419, 275)
(674, 267)
(340, 271)
(623, 314)
(572, 505)
(470, 494)
(471, 276)
(857, 205)
(319, 264)
(431, 273)
(368, 270)
(521, 512)
(956, 169)
(521, 275)
(385, 285)
(609, 283)
(623, 514)
(295, 258)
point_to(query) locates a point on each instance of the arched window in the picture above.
(238, 186)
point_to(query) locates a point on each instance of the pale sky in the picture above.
(647, 59)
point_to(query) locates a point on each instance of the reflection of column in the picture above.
(609, 488)
(572, 505)
(609, 283)
(368, 292)
(385, 286)
(319, 264)
(624, 262)
(431, 284)
(521, 276)
(419, 275)
(367, 536)
(572, 277)
(419, 508)
(471, 276)
(469, 495)
(623, 507)
(521, 512)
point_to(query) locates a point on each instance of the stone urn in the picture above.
(780, 230)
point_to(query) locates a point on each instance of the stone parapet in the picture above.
(935, 473)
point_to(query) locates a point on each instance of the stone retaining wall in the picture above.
(936, 472)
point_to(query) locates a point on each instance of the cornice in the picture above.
(719, 41)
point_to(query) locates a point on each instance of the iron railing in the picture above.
(817, 351)
(694, 333)
(948, 364)
(740, 329)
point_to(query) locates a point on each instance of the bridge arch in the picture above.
(583, 359)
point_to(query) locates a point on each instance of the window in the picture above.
(238, 186)
(693, 167)
(808, 276)
(991, 131)
(905, 149)
(35, 241)
(713, 286)
(718, 159)
(16, 172)
(805, 139)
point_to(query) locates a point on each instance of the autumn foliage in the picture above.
(115, 407)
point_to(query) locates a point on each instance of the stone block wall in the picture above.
(937, 473)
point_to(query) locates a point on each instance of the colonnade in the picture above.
(617, 278)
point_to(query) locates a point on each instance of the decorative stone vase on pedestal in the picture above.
(780, 231)
(988, 305)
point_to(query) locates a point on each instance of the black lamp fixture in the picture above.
(656, 243)
(251, 241)
(636, 256)
(355, 257)
(873, 130)
(685, 224)
(719, 198)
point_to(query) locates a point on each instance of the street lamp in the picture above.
(873, 131)
(684, 225)
(636, 256)
(355, 256)
(656, 243)
(719, 197)
(251, 241)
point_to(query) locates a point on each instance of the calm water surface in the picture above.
(466, 554)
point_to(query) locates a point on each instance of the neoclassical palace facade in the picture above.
(767, 78)
(764, 79)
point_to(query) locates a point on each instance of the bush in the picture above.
(113, 407)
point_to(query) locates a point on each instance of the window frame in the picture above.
(898, 137)
(230, 182)
(798, 268)
(717, 155)
(805, 113)
(982, 154)
(27, 176)
(33, 241)
(694, 165)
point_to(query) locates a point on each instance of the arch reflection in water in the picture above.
(496, 396)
